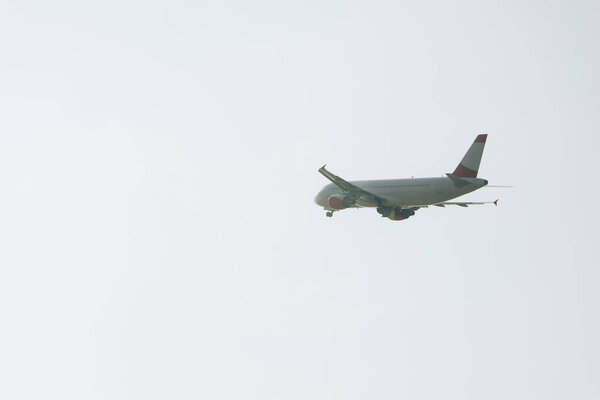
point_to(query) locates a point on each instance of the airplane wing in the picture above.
(352, 190)
(465, 203)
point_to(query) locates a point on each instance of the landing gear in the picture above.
(384, 211)
(329, 214)
(396, 213)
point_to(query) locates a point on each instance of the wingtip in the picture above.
(323, 167)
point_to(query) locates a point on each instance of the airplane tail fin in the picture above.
(469, 165)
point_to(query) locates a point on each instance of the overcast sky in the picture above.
(158, 164)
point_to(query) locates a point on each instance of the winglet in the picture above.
(496, 202)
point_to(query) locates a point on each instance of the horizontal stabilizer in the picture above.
(465, 203)
(458, 180)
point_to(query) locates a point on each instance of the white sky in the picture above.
(158, 165)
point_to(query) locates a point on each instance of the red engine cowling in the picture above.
(339, 202)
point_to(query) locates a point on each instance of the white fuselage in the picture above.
(405, 193)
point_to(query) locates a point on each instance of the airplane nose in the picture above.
(485, 182)
(319, 199)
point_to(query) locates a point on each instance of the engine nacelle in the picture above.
(398, 214)
(339, 201)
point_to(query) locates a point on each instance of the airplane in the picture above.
(398, 199)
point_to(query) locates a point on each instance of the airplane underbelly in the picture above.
(365, 203)
(409, 198)
(421, 198)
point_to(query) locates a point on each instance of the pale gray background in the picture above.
(158, 164)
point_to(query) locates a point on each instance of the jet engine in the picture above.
(339, 202)
(398, 214)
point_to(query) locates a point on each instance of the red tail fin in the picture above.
(469, 165)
